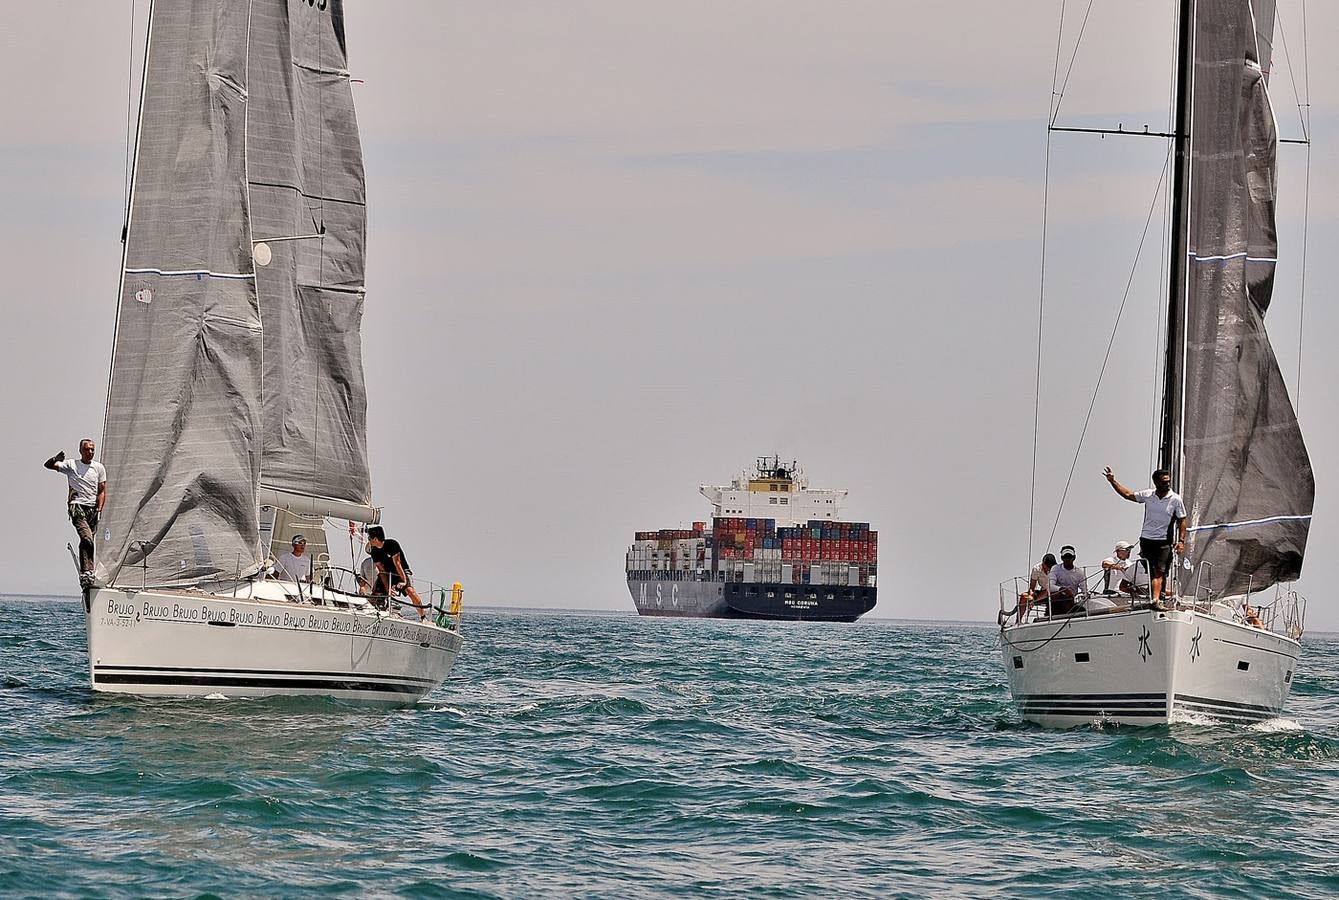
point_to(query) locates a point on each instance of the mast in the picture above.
(1169, 453)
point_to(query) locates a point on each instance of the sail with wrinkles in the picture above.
(1247, 478)
(236, 377)
(183, 404)
(305, 169)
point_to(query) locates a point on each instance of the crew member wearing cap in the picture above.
(1120, 569)
(296, 565)
(1067, 582)
(1164, 512)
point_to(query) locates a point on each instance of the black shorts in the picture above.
(1158, 554)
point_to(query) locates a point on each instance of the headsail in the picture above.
(305, 170)
(183, 406)
(1247, 479)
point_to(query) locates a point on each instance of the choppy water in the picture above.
(621, 757)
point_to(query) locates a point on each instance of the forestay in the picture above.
(1247, 479)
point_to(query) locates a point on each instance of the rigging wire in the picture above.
(1111, 342)
(1303, 101)
(1078, 41)
(1292, 74)
(1306, 210)
(1159, 358)
(1044, 641)
(1053, 106)
(130, 105)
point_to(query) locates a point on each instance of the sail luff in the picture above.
(1248, 482)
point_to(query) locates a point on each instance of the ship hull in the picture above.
(1147, 667)
(748, 600)
(195, 644)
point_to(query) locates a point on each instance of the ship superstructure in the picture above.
(775, 549)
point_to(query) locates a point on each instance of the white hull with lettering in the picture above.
(267, 641)
(1147, 667)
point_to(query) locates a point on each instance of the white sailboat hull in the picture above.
(1147, 667)
(194, 644)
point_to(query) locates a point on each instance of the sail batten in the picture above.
(1247, 480)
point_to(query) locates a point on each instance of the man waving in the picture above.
(1163, 508)
(88, 492)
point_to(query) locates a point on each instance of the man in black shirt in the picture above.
(393, 566)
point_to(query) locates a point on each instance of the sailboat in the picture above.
(236, 404)
(1226, 646)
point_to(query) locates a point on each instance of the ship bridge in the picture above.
(774, 490)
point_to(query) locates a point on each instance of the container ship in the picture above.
(775, 549)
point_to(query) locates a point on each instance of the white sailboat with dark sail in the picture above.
(236, 403)
(1226, 645)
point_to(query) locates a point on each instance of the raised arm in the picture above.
(51, 463)
(1117, 486)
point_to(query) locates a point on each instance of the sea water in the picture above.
(615, 756)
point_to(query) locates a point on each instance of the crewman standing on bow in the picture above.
(88, 492)
(1163, 509)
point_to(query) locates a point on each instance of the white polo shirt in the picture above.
(84, 479)
(1158, 512)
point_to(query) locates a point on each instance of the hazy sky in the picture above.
(620, 249)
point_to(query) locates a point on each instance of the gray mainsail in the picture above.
(1247, 479)
(183, 403)
(305, 169)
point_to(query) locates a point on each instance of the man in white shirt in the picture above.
(1164, 510)
(295, 565)
(1120, 569)
(88, 492)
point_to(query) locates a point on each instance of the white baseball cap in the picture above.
(1124, 545)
